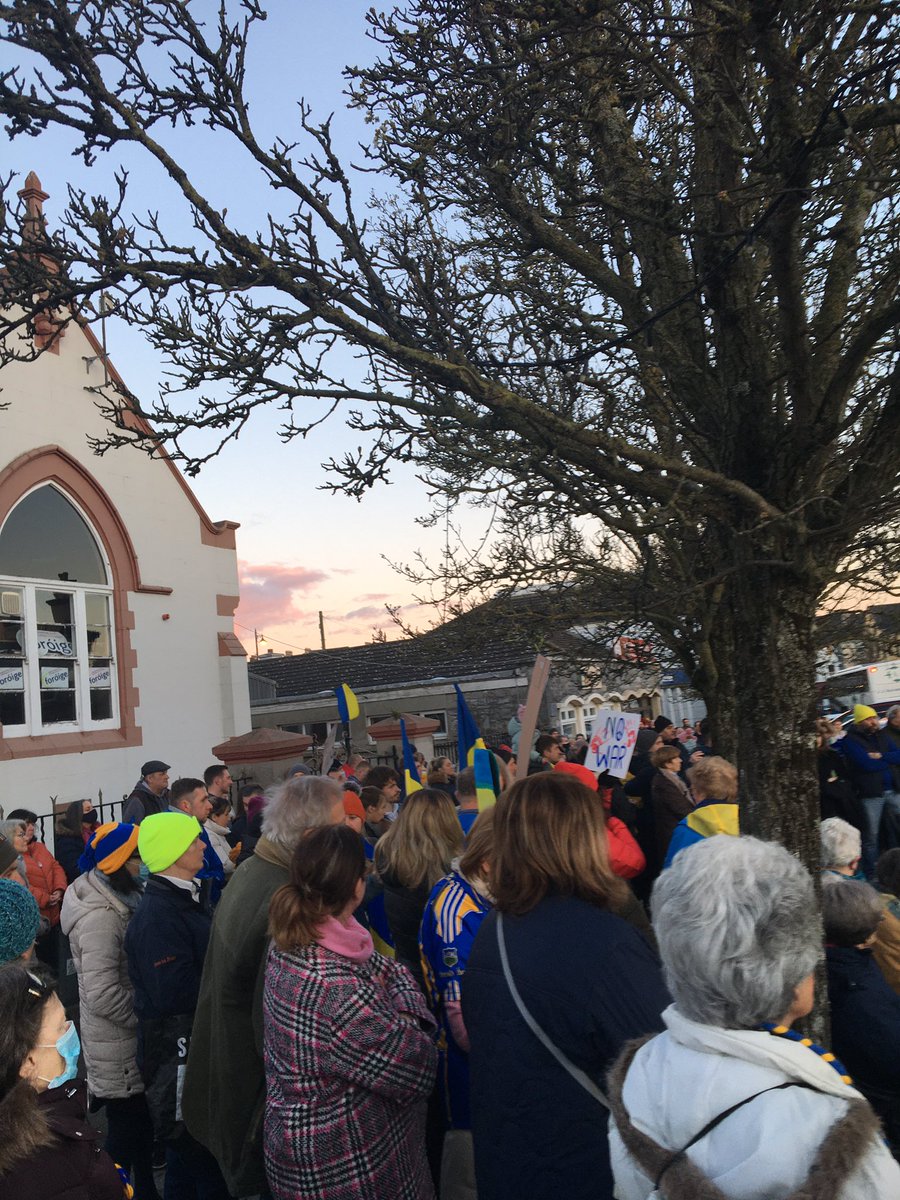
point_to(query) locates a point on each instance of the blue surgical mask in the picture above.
(68, 1046)
(144, 873)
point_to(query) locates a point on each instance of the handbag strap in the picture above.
(577, 1074)
(717, 1120)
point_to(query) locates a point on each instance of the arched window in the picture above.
(56, 629)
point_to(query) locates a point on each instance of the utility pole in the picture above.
(257, 638)
(322, 628)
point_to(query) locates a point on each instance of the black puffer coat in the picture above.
(48, 1151)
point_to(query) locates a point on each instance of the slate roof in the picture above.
(453, 652)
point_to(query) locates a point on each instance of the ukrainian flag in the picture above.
(470, 739)
(348, 705)
(486, 778)
(411, 781)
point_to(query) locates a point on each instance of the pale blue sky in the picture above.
(302, 549)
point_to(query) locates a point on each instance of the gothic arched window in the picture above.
(57, 658)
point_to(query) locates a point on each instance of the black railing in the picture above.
(106, 810)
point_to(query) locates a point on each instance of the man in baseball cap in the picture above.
(150, 794)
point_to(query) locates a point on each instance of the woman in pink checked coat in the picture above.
(349, 1049)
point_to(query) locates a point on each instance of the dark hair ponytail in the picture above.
(327, 865)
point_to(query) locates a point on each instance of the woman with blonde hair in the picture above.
(713, 783)
(410, 858)
(561, 975)
(349, 1053)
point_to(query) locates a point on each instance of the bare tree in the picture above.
(635, 284)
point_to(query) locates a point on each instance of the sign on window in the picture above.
(100, 677)
(54, 678)
(53, 643)
(12, 679)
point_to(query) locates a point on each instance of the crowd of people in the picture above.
(330, 990)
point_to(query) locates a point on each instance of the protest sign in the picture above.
(539, 677)
(611, 742)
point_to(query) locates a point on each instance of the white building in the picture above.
(116, 594)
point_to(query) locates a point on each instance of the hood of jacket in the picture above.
(23, 1126)
(782, 1143)
(86, 894)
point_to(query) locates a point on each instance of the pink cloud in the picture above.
(267, 593)
(360, 614)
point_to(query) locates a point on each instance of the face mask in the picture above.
(144, 873)
(69, 1046)
(90, 817)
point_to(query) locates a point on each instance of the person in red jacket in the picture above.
(625, 856)
(46, 878)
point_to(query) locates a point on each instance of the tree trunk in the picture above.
(764, 705)
(765, 710)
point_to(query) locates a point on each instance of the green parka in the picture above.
(224, 1097)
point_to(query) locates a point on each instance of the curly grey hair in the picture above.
(298, 804)
(841, 842)
(738, 929)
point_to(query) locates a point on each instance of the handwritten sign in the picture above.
(12, 679)
(99, 677)
(54, 678)
(611, 742)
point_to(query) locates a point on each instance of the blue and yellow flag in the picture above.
(411, 781)
(348, 705)
(486, 778)
(470, 739)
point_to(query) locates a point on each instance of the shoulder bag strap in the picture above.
(577, 1074)
(717, 1120)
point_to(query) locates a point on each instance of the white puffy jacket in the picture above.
(95, 919)
(683, 1078)
(218, 839)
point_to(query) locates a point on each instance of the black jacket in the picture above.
(165, 943)
(67, 849)
(893, 736)
(143, 803)
(404, 908)
(592, 982)
(49, 1151)
(865, 1031)
(869, 776)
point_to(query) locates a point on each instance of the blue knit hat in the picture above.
(19, 920)
(110, 847)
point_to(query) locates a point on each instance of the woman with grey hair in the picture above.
(841, 845)
(729, 1101)
(865, 1011)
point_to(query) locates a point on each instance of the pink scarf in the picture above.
(350, 940)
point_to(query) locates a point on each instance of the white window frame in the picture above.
(438, 714)
(34, 725)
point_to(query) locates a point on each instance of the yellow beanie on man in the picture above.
(164, 837)
(862, 712)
